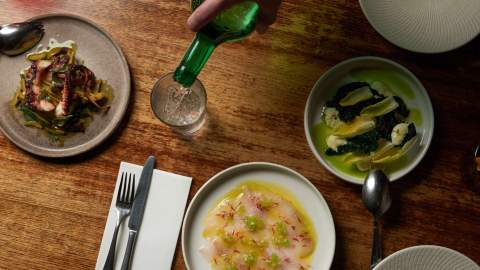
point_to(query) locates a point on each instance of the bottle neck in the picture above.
(194, 60)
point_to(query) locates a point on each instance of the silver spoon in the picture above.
(476, 171)
(376, 197)
(17, 38)
(477, 156)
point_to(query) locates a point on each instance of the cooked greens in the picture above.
(58, 95)
(369, 125)
(348, 113)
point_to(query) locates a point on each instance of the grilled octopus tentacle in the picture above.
(62, 107)
(66, 92)
(30, 96)
(86, 78)
(82, 76)
(76, 75)
(60, 61)
(35, 76)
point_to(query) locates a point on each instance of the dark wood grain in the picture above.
(52, 212)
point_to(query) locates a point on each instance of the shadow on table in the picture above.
(198, 148)
(339, 257)
(467, 56)
(393, 218)
(211, 125)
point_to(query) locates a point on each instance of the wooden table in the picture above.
(52, 212)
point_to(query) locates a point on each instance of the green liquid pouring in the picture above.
(231, 24)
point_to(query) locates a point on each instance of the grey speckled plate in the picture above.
(101, 54)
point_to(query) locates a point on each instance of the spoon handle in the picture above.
(377, 244)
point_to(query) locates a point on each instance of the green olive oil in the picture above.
(401, 88)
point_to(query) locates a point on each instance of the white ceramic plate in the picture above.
(312, 201)
(427, 258)
(426, 26)
(341, 74)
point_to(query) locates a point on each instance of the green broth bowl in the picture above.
(369, 69)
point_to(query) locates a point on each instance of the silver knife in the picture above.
(138, 208)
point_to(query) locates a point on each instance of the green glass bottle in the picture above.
(231, 24)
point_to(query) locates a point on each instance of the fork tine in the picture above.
(120, 187)
(132, 197)
(124, 188)
(127, 195)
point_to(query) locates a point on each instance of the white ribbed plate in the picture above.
(427, 258)
(426, 26)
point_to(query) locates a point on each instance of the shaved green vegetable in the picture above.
(254, 223)
(362, 120)
(32, 116)
(32, 57)
(33, 124)
(249, 259)
(383, 107)
(357, 127)
(274, 261)
(50, 108)
(354, 97)
(348, 113)
(394, 153)
(280, 238)
(363, 162)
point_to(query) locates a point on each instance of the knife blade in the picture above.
(141, 195)
(138, 209)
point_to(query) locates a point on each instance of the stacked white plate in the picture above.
(426, 26)
(427, 257)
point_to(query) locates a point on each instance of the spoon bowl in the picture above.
(17, 38)
(376, 193)
(377, 199)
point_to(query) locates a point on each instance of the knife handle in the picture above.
(127, 259)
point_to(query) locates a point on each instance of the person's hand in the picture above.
(211, 8)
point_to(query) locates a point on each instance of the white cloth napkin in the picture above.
(162, 220)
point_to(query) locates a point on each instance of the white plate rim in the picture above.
(412, 49)
(421, 247)
(332, 70)
(111, 127)
(212, 182)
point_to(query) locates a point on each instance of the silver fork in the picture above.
(125, 196)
